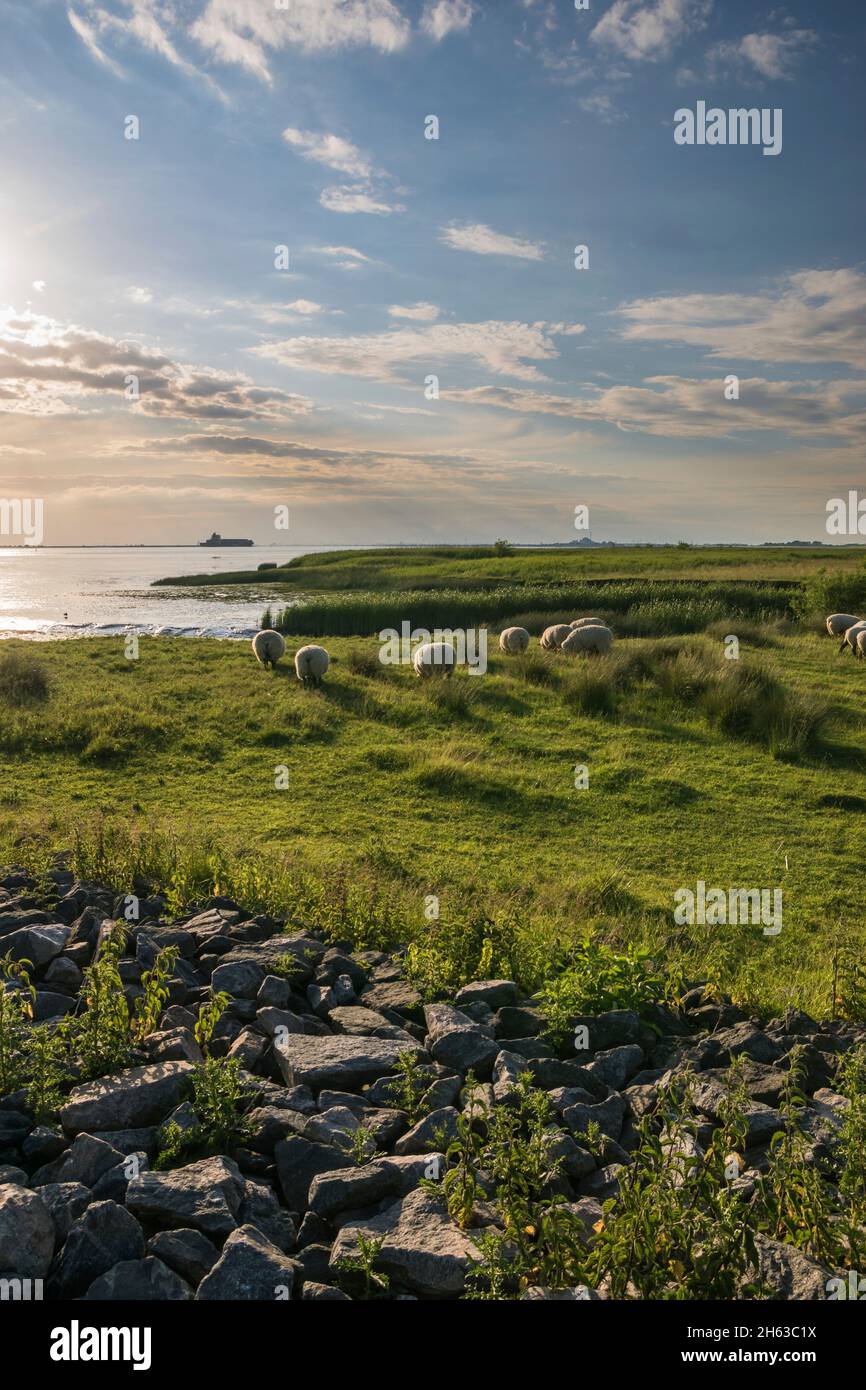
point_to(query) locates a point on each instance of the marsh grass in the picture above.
(23, 680)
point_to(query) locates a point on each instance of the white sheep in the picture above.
(588, 639)
(587, 622)
(861, 644)
(434, 657)
(513, 640)
(269, 646)
(851, 635)
(553, 637)
(311, 663)
(839, 623)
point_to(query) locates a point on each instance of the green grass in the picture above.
(481, 567)
(742, 774)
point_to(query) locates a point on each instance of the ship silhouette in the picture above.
(216, 539)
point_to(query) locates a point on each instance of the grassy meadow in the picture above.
(745, 773)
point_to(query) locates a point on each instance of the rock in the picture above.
(250, 1267)
(582, 1293)
(26, 1233)
(615, 1028)
(340, 1062)
(394, 997)
(422, 1250)
(65, 1201)
(274, 992)
(14, 1177)
(189, 1253)
(15, 1125)
(298, 1162)
(496, 994)
(139, 1281)
(102, 1237)
(786, 1273)
(615, 1067)
(206, 1195)
(43, 1144)
(465, 1049)
(85, 1162)
(261, 1209)
(348, 1189)
(40, 944)
(48, 1005)
(603, 1183)
(173, 1045)
(749, 1039)
(520, 1022)
(608, 1114)
(435, 1131)
(242, 979)
(270, 1124)
(317, 1292)
(139, 1096)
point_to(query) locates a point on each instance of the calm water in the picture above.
(81, 593)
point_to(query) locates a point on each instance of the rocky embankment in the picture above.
(84, 1208)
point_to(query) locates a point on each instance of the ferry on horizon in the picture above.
(216, 539)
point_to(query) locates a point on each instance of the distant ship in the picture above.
(216, 539)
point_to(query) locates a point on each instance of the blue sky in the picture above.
(304, 126)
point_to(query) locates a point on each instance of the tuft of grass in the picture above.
(23, 680)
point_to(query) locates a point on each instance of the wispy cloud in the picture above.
(244, 32)
(774, 56)
(484, 241)
(421, 313)
(505, 348)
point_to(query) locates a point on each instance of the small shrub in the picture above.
(23, 681)
(364, 663)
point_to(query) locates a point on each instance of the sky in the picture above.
(282, 293)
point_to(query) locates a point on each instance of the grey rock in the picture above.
(139, 1281)
(608, 1114)
(496, 994)
(189, 1253)
(616, 1066)
(261, 1209)
(298, 1163)
(786, 1273)
(206, 1195)
(422, 1250)
(249, 1268)
(434, 1131)
(102, 1237)
(39, 944)
(240, 978)
(313, 1292)
(26, 1233)
(340, 1062)
(139, 1096)
(348, 1189)
(65, 1201)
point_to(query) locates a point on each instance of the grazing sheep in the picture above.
(311, 663)
(839, 623)
(553, 637)
(433, 658)
(269, 646)
(513, 640)
(588, 639)
(587, 622)
(851, 635)
(861, 644)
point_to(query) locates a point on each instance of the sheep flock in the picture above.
(582, 637)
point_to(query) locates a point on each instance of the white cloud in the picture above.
(138, 294)
(816, 316)
(330, 150)
(774, 56)
(40, 286)
(244, 32)
(421, 312)
(53, 368)
(509, 349)
(484, 241)
(443, 17)
(88, 37)
(649, 31)
(682, 407)
(357, 198)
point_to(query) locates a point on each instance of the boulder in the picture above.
(102, 1237)
(134, 1098)
(26, 1233)
(341, 1062)
(206, 1195)
(250, 1267)
(139, 1281)
(421, 1250)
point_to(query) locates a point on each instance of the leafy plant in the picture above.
(407, 1087)
(156, 983)
(361, 1269)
